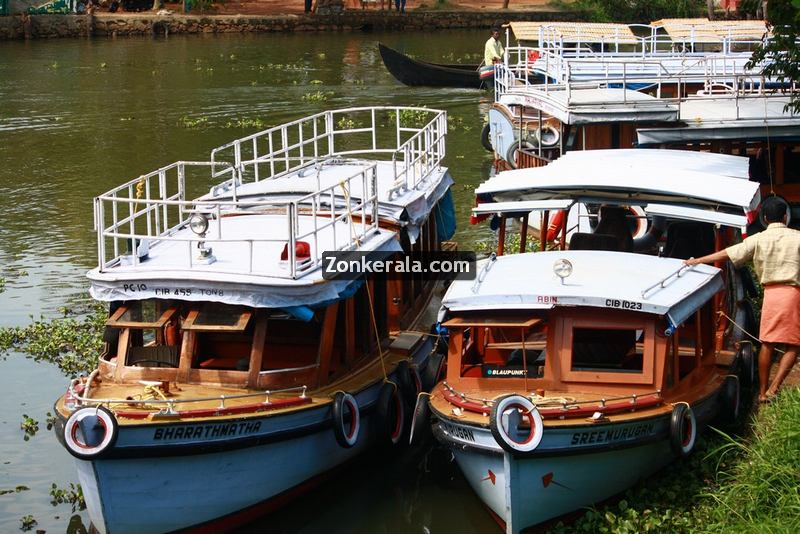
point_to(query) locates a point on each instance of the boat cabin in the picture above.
(616, 322)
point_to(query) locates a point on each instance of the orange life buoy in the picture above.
(557, 222)
(172, 335)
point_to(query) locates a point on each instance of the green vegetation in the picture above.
(641, 11)
(729, 484)
(73, 344)
(782, 53)
(411, 118)
(188, 122)
(29, 426)
(72, 496)
(28, 523)
(256, 123)
(317, 96)
(18, 489)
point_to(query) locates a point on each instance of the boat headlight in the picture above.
(198, 223)
(562, 268)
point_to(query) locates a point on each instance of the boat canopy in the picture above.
(599, 279)
(582, 32)
(635, 177)
(712, 31)
(590, 105)
(727, 118)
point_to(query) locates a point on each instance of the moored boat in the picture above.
(235, 374)
(575, 372)
(416, 72)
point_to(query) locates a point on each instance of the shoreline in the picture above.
(15, 27)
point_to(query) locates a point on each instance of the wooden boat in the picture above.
(598, 365)
(414, 72)
(235, 374)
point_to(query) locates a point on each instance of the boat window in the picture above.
(223, 337)
(504, 351)
(291, 342)
(218, 318)
(604, 349)
(153, 339)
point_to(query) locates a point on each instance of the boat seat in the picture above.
(614, 221)
(586, 241)
(689, 240)
(154, 356)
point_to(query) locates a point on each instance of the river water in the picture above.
(78, 117)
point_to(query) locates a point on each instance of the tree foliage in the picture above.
(781, 54)
(641, 11)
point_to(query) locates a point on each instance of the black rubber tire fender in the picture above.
(682, 430)
(390, 414)
(486, 140)
(340, 401)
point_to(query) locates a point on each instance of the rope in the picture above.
(748, 334)
(353, 236)
(377, 334)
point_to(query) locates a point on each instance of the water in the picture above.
(78, 117)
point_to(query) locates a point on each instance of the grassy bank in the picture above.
(730, 484)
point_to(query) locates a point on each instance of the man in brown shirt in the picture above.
(775, 254)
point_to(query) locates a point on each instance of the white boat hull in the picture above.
(172, 493)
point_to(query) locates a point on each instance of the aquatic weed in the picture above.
(28, 523)
(29, 426)
(18, 489)
(188, 122)
(317, 96)
(246, 123)
(72, 496)
(73, 344)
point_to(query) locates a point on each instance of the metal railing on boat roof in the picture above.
(153, 210)
(523, 67)
(412, 138)
(717, 84)
(643, 40)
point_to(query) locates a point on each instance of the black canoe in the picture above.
(412, 72)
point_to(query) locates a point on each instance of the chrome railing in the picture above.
(154, 208)
(412, 138)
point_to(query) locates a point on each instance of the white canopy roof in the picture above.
(600, 279)
(592, 104)
(636, 176)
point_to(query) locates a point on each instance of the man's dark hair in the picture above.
(495, 29)
(773, 209)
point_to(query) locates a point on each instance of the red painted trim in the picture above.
(557, 413)
(211, 412)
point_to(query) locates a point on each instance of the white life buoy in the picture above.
(90, 431)
(505, 409)
(346, 419)
(682, 430)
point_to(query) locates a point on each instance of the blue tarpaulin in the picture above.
(445, 217)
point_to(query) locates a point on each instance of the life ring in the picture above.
(557, 222)
(391, 413)
(409, 380)
(421, 417)
(729, 399)
(511, 153)
(172, 334)
(507, 439)
(346, 432)
(548, 136)
(682, 430)
(533, 56)
(639, 229)
(486, 140)
(90, 431)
